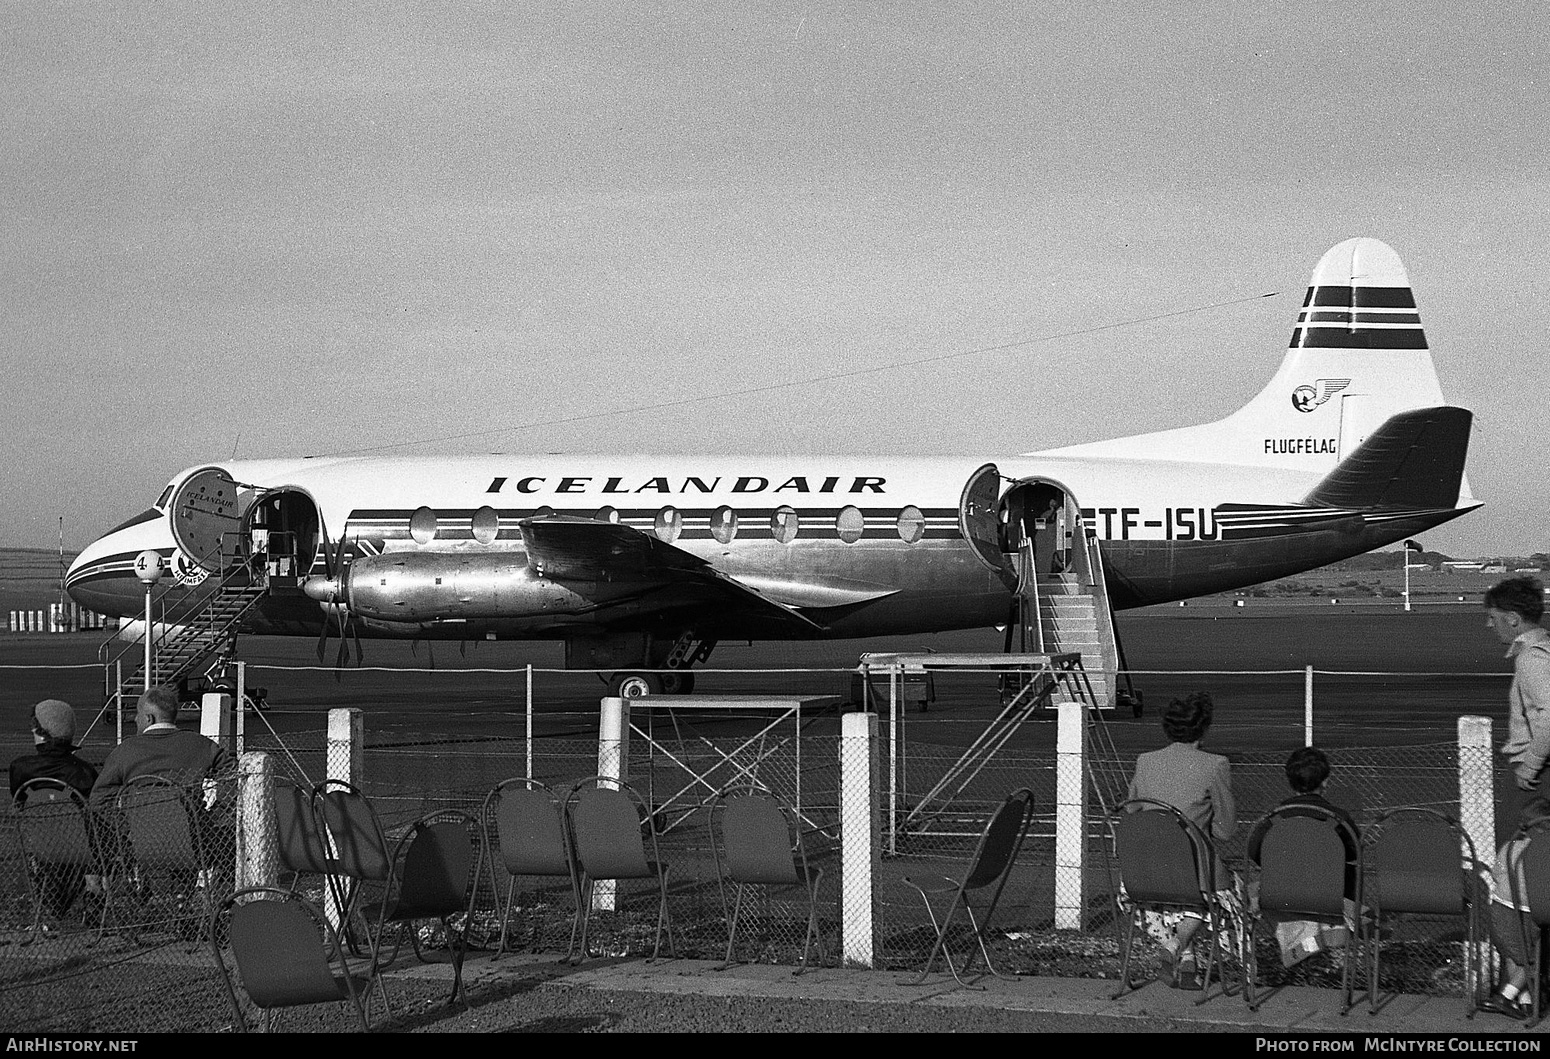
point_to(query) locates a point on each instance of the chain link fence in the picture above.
(84, 913)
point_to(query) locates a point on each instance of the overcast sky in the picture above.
(278, 229)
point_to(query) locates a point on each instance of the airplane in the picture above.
(640, 564)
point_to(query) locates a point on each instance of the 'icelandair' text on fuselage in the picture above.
(1312, 446)
(691, 484)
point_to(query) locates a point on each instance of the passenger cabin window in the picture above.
(486, 525)
(912, 525)
(850, 524)
(422, 525)
(670, 523)
(783, 524)
(723, 525)
(606, 514)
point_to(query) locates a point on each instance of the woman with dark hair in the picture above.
(1199, 785)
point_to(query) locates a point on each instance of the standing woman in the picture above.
(1199, 785)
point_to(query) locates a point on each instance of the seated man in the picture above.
(163, 749)
(1307, 772)
(53, 732)
(55, 758)
(160, 749)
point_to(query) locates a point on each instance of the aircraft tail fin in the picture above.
(1414, 461)
(1358, 356)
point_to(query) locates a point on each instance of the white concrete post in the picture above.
(346, 760)
(1307, 706)
(613, 761)
(1070, 816)
(258, 857)
(1477, 804)
(346, 745)
(859, 834)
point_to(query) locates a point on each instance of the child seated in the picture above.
(1307, 772)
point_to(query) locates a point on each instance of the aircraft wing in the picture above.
(586, 550)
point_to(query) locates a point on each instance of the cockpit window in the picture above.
(145, 516)
(166, 494)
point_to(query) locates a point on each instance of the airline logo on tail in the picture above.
(1307, 398)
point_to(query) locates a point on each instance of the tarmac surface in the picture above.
(523, 993)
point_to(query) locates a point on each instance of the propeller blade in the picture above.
(355, 634)
(323, 638)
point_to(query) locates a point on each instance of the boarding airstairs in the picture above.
(1061, 648)
(198, 643)
(1067, 613)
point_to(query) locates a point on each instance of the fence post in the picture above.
(346, 745)
(613, 761)
(1477, 809)
(257, 856)
(1070, 815)
(858, 834)
(346, 760)
(1307, 706)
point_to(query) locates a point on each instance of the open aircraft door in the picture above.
(206, 518)
(979, 519)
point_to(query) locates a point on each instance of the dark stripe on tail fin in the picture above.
(1415, 460)
(1385, 324)
(1358, 338)
(1361, 297)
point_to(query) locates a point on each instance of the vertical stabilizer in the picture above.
(1358, 355)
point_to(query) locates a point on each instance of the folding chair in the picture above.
(431, 876)
(286, 953)
(166, 839)
(524, 824)
(1167, 864)
(605, 824)
(1302, 877)
(361, 852)
(301, 843)
(751, 840)
(1420, 862)
(60, 848)
(990, 865)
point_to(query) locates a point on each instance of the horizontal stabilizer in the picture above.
(1415, 460)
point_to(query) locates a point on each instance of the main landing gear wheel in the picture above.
(635, 685)
(677, 683)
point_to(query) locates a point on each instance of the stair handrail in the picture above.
(1103, 612)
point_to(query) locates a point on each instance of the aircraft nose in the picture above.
(102, 578)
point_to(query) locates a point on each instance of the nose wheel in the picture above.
(635, 685)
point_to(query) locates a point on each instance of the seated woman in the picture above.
(1199, 785)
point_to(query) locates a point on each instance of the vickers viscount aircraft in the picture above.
(642, 563)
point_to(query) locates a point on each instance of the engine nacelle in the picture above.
(431, 586)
